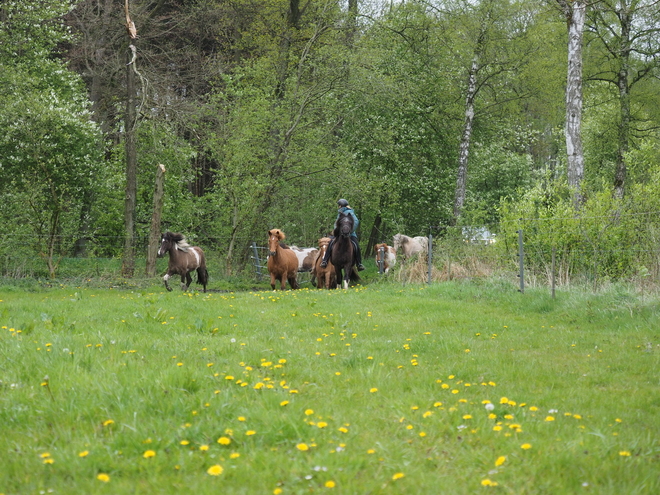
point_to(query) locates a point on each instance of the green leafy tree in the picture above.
(48, 143)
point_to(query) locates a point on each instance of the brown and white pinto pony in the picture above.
(282, 261)
(306, 259)
(410, 246)
(388, 254)
(184, 258)
(326, 278)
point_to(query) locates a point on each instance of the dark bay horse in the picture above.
(343, 251)
(282, 261)
(184, 258)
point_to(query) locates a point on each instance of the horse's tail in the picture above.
(203, 277)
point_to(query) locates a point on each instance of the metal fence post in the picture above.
(521, 266)
(381, 261)
(430, 257)
(257, 263)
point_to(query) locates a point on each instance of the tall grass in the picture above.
(449, 388)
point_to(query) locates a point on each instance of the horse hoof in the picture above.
(169, 289)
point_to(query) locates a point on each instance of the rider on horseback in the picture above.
(344, 207)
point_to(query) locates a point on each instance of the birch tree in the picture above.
(575, 13)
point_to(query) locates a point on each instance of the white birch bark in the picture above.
(575, 12)
(464, 149)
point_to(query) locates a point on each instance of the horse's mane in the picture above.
(180, 241)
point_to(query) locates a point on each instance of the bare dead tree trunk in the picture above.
(154, 231)
(575, 13)
(130, 201)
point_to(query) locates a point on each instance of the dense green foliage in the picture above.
(372, 390)
(264, 113)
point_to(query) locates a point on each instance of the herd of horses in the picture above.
(285, 262)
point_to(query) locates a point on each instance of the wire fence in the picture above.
(526, 262)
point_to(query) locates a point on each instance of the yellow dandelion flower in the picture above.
(184, 442)
(503, 400)
(330, 484)
(49, 460)
(309, 412)
(234, 455)
(284, 403)
(149, 453)
(321, 424)
(624, 453)
(343, 430)
(84, 453)
(550, 418)
(250, 433)
(203, 448)
(500, 460)
(526, 446)
(373, 390)
(371, 451)
(215, 470)
(427, 414)
(44, 455)
(488, 482)
(397, 476)
(467, 416)
(497, 428)
(241, 418)
(277, 491)
(533, 408)
(108, 422)
(103, 477)
(224, 441)
(303, 447)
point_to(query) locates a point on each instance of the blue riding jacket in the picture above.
(349, 210)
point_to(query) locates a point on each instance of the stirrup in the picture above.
(360, 267)
(324, 264)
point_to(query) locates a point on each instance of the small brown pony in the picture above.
(184, 258)
(282, 261)
(388, 257)
(326, 278)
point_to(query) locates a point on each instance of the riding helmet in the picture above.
(342, 202)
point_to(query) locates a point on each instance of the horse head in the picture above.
(344, 225)
(171, 240)
(274, 238)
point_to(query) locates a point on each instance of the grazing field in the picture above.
(451, 388)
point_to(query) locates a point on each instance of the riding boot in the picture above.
(328, 253)
(358, 257)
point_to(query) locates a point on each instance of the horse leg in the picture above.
(283, 281)
(272, 281)
(293, 281)
(185, 278)
(165, 279)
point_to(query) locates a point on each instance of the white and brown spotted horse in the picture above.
(184, 258)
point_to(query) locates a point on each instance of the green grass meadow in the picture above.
(454, 388)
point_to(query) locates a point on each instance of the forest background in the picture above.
(428, 116)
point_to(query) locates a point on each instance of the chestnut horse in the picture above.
(282, 261)
(184, 258)
(326, 278)
(343, 250)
